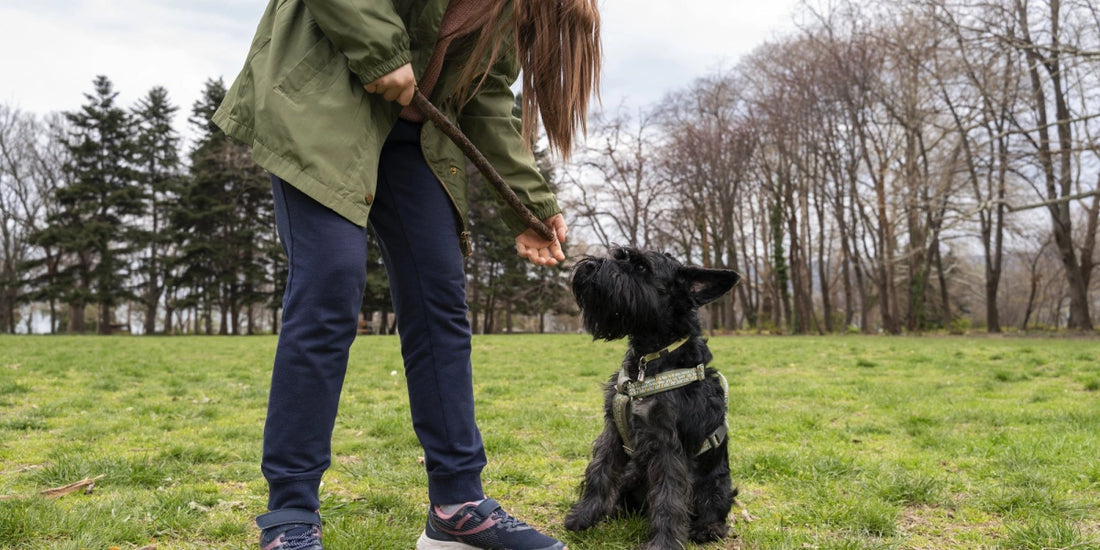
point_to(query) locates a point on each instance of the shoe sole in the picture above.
(425, 543)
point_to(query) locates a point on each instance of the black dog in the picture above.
(666, 453)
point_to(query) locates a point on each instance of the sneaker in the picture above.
(290, 529)
(484, 526)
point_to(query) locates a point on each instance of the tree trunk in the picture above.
(168, 312)
(150, 322)
(104, 319)
(1058, 180)
(76, 317)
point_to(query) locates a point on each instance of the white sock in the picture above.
(449, 509)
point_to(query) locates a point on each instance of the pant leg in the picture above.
(327, 275)
(414, 220)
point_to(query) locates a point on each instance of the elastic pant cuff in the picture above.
(288, 516)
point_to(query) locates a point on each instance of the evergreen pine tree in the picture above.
(94, 207)
(157, 171)
(224, 221)
(499, 280)
(545, 290)
(376, 296)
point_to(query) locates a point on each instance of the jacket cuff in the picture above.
(369, 72)
(516, 224)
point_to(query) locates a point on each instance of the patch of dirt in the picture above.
(936, 528)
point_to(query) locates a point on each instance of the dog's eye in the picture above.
(640, 265)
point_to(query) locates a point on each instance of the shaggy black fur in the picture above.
(653, 300)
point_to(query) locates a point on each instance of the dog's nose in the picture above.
(584, 268)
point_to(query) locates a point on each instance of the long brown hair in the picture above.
(557, 45)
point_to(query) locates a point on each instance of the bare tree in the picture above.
(706, 161)
(1047, 44)
(617, 190)
(854, 144)
(30, 167)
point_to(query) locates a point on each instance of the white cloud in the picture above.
(53, 55)
(653, 48)
(54, 48)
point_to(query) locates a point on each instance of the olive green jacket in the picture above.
(300, 103)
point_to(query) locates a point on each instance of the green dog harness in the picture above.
(628, 390)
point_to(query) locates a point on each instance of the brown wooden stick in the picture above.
(443, 123)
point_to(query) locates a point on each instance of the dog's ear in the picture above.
(706, 285)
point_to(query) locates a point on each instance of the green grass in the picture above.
(845, 442)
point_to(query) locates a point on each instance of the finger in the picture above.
(557, 222)
(523, 251)
(556, 252)
(406, 96)
(546, 257)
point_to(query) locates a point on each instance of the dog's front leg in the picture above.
(601, 486)
(670, 494)
(714, 495)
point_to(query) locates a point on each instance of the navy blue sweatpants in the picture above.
(414, 220)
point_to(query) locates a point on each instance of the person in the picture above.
(323, 100)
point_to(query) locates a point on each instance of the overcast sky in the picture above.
(52, 49)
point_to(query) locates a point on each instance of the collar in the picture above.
(650, 357)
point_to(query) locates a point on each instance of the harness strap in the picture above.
(665, 381)
(716, 438)
(628, 390)
(621, 407)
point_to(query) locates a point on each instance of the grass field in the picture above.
(844, 442)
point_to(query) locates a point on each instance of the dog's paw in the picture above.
(709, 533)
(575, 524)
(577, 520)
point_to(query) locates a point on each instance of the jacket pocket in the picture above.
(317, 71)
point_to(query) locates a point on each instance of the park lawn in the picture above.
(844, 442)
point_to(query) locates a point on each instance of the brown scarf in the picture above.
(462, 17)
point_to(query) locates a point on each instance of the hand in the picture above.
(399, 84)
(539, 251)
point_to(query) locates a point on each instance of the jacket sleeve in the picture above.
(368, 32)
(488, 121)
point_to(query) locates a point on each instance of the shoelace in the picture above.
(507, 520)
(301, 539)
